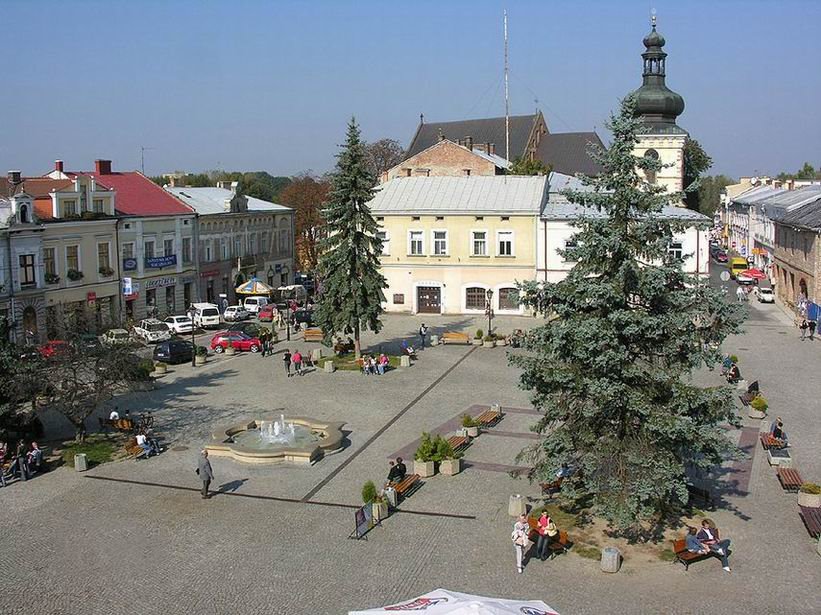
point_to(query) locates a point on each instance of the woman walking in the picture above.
(519, 536)
(547, 530)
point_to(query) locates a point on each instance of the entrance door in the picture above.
(429, 299)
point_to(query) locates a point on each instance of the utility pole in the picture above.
(142, 158)
(507, 100)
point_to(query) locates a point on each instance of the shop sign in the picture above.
(129, 264)
(158, 262)
(209, 274)
(128, 287)
(159, 282)
(91, 298)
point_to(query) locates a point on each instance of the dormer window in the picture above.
(69, 207)
(24, 214)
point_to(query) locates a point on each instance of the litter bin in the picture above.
(610, 559)
(390, 495)
(516, 506)
(80, 462)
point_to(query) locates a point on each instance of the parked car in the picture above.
(745, 280)
(174, 351)
(254, 304)
(179, 324)
(234, 313)
(52, 348)
(237, 339)
(721, 256)
(765, 295)
(151, 331)
(114, 337)
(206, 315)
(87, 340)
(267, 313)
(251, 329)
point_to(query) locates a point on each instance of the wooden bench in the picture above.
(489, 418)
(789, 478)
(407, 485)
(451, 337)
(812, 520)
(458, 442)
(768, 442)
(551, 488)
(687, 557)
(133, 449)
(313, 335)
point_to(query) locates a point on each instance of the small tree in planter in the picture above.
(201, 355)
(424, 458)
(160, 368)
(809, 495)
(477, 339)
(450, 462)
(470, 425)
(370, 495)
(758, 407)
(489, 341)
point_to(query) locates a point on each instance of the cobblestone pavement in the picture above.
(142, 540)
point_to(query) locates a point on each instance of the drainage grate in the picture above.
(180, 448)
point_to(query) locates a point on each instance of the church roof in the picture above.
(488, 130)
(567, 152)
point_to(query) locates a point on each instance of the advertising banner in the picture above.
(129, 264)
(128, 288)
(158, 262)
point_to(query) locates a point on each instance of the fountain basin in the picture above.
(244, 442)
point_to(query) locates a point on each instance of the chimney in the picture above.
(58, 166)
(103, 167)
(490, 148)
(15, 178)
(469, 143)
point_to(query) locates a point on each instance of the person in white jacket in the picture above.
(521, 529)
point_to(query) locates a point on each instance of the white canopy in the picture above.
(446, 602)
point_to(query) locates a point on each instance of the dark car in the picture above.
(721, 256)
(300, 316)
(251, 329)
(173, 351)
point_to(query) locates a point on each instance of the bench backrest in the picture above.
(679, 545)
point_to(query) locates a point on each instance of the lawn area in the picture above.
(347, 362)
(98, 448)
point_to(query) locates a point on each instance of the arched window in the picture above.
(284, 237)
(24, 214)
(648, 173)
(475, 298)
(508, 299)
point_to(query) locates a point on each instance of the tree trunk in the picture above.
(356, 345)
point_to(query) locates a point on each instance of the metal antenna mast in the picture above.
(507, 100)
(142, 158)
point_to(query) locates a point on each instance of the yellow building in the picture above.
(448, 240)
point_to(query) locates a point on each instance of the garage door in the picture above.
(429, 300)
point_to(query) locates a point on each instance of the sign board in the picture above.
(128, 289)
(733, 244)
(743, 250)
(91, 298)
(129, 264)
(160, 282)
(363, 519)
(158, 262)
(725, 276)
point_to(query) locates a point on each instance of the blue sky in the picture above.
(269, 85)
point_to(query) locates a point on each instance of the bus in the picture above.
(737, 265)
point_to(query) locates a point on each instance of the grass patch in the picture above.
(588, 552)
(563, 519)
(348, 362)
(667, 555)
(97, 448)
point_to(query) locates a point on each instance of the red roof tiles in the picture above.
(139, 196)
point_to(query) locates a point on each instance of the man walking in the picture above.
(423, 331)
(205, 472)
(286, 360)
(812, 324)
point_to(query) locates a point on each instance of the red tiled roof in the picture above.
(139, 196)
(36, 186)
(43, 208)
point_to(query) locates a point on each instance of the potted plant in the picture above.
(423, 459)
(371, 496)
(106, 271)
(230, 350)
(809, 495)
(501, 340)
(489, 341)
(74, 275)
(52, 278)
(160, 368)
(201, 355)
(477, 339)
(470, 425)
(758, 407)
(450, 462)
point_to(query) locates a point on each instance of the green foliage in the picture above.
(479, 334)
(759, 403)
(734, 358)
(709, 192)
(202, 351)
(74, 275)
(610, 368)
(98, 449)
(525, 166)
(469, 421)
(811, 488)
(426, 451)
(349, 266)
(258, 184)
(21, 381)
(696, 161)
(805, 172)
(443, 450)
(369, 492)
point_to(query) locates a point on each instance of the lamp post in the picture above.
(191, 313)
(286, 270)
(489, 310)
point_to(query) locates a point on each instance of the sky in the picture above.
(270, 85)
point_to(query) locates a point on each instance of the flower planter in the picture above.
(424, 469)
(160, 369)
(434, 340)
(502, 342)
(230, 351)
(380, 511)
(473, 432)
(477, 342)
(755, 414)
(489, 344)
(200, 359)
(450, 467)
(809, 500)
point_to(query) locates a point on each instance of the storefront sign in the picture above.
(158, 262)
(91, 298)
(159, 283)
(129, 264)
(128, 288)
(209, 274)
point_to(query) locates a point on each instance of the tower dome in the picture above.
(657, 104)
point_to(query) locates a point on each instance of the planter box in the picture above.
(489, 344)
(809, 500)
(329, 367)
(450, 467)
(779, 457)
(755, 414)
(476, 342)
(404, 361)
(473, 432)
(160, 369)
(424, 469)
(380, 511)
(230, 351)
(200, 359)
(434, 340)
(502, 342)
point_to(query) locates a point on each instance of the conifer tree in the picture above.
(351, 283)
(611, 367)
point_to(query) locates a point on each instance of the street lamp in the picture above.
(489, 310)
(285, 270)
(191, 313)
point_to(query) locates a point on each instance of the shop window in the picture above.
(508, 299)
(475, 298)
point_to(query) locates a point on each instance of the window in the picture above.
(675, 250)
(186, 249)
(416, 243)
(103, 256)
(73, 257)
(651, 174)
(466, 172)
(70, 207)
(148, 248)
(285, 237)
(170, 300)
(475, 298)
(207, 251)
(97, 204)
(479, 247)
(49, 262)
(225, 256)
(27, 271)
(168, 247)
(186, 294)
(128, 250)
(237, 246)
(252, 244)
(507, 299)
(263, 242)
(505, 243)
(440, 243)
(386, 242)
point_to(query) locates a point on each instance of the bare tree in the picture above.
(382, 155)
(307, 195)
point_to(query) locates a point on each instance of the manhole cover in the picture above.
(740, 348)
(180, 448)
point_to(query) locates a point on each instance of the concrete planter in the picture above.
(434, 340)
(200, 359)
(230, 351)
(477, 342)
(160, 369)
(473, 432)
(424, 469)
(404, 361)
(610, 559)
(501, 342)
(779, 457)
(450, 467)
(380, 511)
(329, 367)
(755, 414)
(490, 344)
(809, 500)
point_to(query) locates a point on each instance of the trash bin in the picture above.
(610, 559)
(516, 506)
(390, 495)
(80, 462)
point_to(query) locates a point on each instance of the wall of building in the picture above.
(797, 265)
(671, 154)
(443, 159)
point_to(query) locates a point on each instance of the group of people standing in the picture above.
(19, 462)
(546, 532)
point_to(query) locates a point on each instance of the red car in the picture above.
(237, 339)
(266, 313)
(721, 256)
(49, 349)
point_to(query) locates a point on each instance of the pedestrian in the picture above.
(739, 293)
(546, 529)
(423, 331)
(205, 472)
(803, 326)
(296, 359)
(812, 324)
(519, 537)
(286, 360)
(20, 466)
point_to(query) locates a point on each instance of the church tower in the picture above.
(658, 107)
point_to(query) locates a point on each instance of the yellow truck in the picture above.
(737, 265)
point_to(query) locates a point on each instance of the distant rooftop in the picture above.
(211, 200)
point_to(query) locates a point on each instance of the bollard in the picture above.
(80, 462)
(516, 506)
(330, 367)
(316, 355)
(404, 361)
(610, 559)
(434, 340)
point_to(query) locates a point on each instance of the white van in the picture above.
(206, 315)
(255, 304)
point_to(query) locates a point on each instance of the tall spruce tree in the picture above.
(610, 369)
(351, 284)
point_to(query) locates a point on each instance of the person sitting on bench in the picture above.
(34, 458)
(777, 432)
(397, 472)
(142, 442)
(709, 537)
(733, 374)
